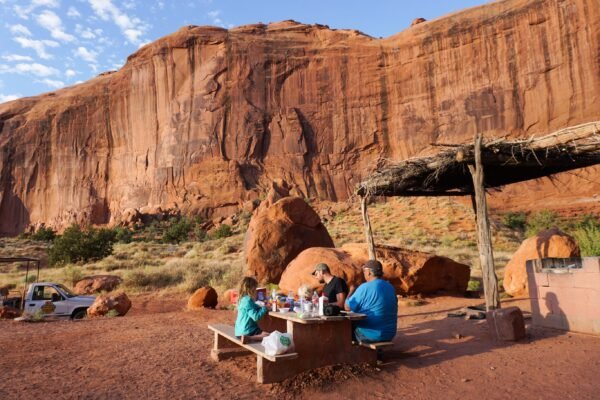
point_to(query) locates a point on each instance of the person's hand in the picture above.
(260, 303)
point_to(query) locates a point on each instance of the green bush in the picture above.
(177, 231)
(76, 245)
(123, 235)
(588, 238)
(223, 231)
(540, 221)
(515, 220)
(44, 234)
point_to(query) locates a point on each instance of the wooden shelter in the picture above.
(459, 171)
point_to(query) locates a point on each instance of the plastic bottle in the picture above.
(323, 302)
(273, 300)
(315, 302)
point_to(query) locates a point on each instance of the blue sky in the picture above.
(49, 44)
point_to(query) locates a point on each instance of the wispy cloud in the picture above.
(39, 46)
(24, 12)
(85, 32)
(73, 13)
(19, 29)
(31, 68)
(53, 24)
(9, 97)
(214, 17)
(70, 73)
(131, 27)
(51, 83)
(85, 54)
(16, 57)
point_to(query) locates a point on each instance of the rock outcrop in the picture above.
(104, 304)
(277, 233)
(549, 243)
(203, 119)
(410, 272)
(97, 283)
(205, 297)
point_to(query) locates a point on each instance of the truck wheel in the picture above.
(80, 313)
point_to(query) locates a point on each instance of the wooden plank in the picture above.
(228, 332)
(377, 345)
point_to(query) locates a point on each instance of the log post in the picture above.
(367, 223)
(484, 239)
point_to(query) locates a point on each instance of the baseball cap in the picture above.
(321, 267)
(374, 266)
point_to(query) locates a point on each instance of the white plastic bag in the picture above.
(277, 343)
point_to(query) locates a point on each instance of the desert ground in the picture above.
(159, 350)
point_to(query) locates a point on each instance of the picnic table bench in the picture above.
(318, 342)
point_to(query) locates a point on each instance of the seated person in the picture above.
(377, 299)
(336, 289)
(246, 327)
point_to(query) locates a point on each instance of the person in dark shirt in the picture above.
(336, 289)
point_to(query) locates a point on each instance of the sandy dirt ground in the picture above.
(161, 351)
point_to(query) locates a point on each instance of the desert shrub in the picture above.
(123, 235)
(177, 231)
(200, 234)
(474, 285)
(218, 275)
(540, 221)
(588, 238)
(515, 220)
(153, 279)
(72, 274)
(44, 234)
(223, 231)
(76, 245)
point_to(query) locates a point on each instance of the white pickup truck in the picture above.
(56, 300)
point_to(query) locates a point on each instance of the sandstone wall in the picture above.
(203, 119)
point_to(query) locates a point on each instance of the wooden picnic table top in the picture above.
(292, 316)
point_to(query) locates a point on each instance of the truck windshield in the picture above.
(66, 291)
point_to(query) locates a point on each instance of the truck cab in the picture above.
(54, 299)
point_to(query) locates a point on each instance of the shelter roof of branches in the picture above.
(504, 162)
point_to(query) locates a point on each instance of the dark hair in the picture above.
(375, 267)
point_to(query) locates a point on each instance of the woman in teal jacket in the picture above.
(249, 312)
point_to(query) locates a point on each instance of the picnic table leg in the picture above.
(220, 344)
(271, 372)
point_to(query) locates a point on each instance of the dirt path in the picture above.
(159, 351)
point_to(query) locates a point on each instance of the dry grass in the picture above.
(441, 226)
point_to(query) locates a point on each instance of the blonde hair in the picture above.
(248, 287)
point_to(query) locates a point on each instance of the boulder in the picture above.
(506, 324)
(205, 297)
(410, 272)
(97, 283)
(277, 233)
(549, 243)
(414, 272)
(105, 303)
(417, 21)
(7, 312)
(299, 271)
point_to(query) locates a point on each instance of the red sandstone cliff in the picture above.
(202, 119)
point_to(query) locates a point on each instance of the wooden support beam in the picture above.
(367, 223)
(484, 239)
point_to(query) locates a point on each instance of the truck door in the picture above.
(47, 299)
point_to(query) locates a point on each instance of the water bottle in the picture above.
(273, 300)
(290, 300)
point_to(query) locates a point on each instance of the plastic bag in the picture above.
(277, 343)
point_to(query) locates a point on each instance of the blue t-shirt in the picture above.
(376, 299)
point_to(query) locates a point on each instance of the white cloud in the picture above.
(23, 12)
(73, 13)
(93, 67)
(33, 68)
(52, 22)
(214, 17)
(9, 97)
(52, 83)
(17, 57)
(39, 46)
(85, 32)
(85, 54)
(19, 29)
(132, 28)
(70, 73)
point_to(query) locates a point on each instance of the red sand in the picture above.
(161, 351)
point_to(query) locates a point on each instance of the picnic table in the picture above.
(318, 342)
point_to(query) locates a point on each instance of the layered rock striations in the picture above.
(202, 120)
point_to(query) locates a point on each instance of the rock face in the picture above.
(104, 304)
(410, 272)
(298, 272)
(277, 233)
(97, 283)
(506, 324)
(549, 243)
(205, 297)
(203, 119)
(9, 312)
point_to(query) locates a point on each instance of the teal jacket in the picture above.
(248, 315)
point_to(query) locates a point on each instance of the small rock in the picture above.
(458, 336)
(465, 380)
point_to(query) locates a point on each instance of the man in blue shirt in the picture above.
(377, 299)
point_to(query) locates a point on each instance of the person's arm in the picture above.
(353, 302)
(340, 300)
(254, 311)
